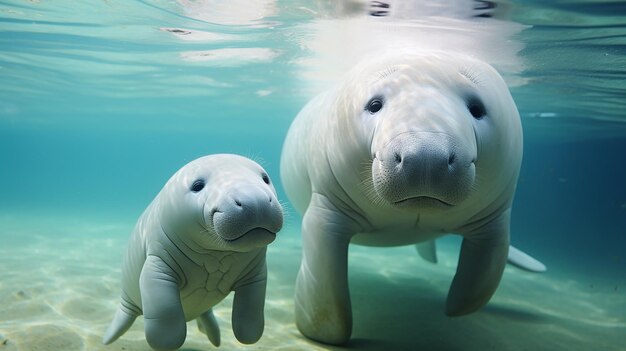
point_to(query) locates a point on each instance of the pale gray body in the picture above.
(409, 147)
(203, 236)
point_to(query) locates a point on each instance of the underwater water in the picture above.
(102, 101)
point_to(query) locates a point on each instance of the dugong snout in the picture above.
(247, 210)
(423, 168)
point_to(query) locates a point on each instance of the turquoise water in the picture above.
(102, 101)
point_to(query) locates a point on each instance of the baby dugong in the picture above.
(203, 236)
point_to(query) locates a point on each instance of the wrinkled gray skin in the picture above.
(194, 245)
(440, 154)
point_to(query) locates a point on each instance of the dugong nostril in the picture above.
(451, 159)
(238, 203)
(397, 157)
(213, 211)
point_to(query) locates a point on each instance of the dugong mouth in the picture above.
(254, 238)
(422, 201)
(257, 232)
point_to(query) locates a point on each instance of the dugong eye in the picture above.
(476, 108)
(266, 179)
(374, 105)
(197, 185)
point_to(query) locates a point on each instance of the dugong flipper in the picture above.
(203, 236)
(408, 147)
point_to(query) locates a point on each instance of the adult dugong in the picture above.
(203, 236)
(407, 148)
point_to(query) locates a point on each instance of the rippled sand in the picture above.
(59, 287)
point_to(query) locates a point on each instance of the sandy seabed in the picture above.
(60, 282)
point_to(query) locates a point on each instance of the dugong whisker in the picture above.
(213, 237)
(367, 184)
(256, 157)
(286, 209)
(477, 180)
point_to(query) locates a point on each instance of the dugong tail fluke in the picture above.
(207, 324)
(524, 261)
(428, 252)
(120, 324)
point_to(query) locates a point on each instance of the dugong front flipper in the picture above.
(428, 251)
(322, 306)
(164, 320)
(481, 263)
(248, 304)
